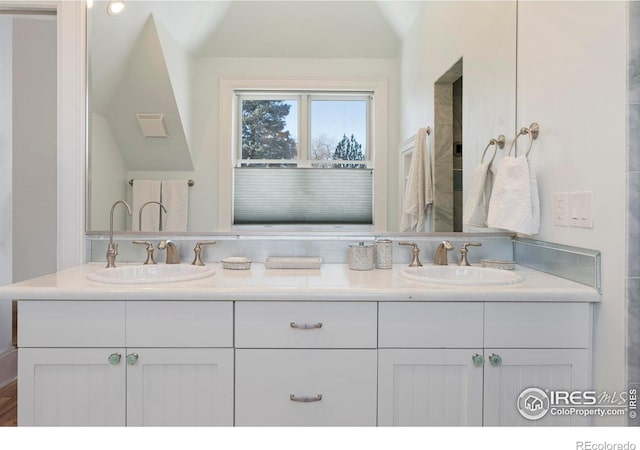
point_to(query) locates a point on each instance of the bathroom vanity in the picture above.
(276, 347)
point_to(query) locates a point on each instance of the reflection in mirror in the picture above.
(169, 59)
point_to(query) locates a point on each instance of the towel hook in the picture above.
(533, 131)
(499, 143)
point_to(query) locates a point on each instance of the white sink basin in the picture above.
(461, 275)
(152, 273)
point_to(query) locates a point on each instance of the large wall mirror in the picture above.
(155, 73)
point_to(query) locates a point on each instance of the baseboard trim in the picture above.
(8, 366)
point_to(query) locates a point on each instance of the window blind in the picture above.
(302, 196)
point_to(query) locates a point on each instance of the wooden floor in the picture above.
(9, 405)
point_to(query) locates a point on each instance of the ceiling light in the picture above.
(89, 4)
(115, 7)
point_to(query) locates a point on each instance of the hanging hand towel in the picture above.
(418, 194)
(145, 191)
(477, 206)
(515, 204)
(175, 197)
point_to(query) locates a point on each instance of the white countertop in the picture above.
(332, 282)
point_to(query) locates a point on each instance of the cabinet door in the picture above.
(179, 387)
(310, 387)
(420, 387)
(71, 387)
(520, 369)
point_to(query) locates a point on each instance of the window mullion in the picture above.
(304, 123)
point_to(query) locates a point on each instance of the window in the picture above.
(303, 130)
(295, 158)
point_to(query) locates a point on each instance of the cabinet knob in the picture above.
(132, 358)
(495, 360)
(478, 360)
(114, 358)
(303, 399)
(305, 326)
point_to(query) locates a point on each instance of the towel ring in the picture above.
(533, 131)
(499, 143)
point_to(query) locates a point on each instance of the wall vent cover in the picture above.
(152, 125)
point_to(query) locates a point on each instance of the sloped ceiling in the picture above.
(146, 87)
(303, 29)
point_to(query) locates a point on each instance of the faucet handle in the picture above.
(415, 261)
(197, 250)
(464, 251)
(149, 245)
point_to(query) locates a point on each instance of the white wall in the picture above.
(109, 183)
(6, 155)
(483, 34)
(34, 147)
(572, 80)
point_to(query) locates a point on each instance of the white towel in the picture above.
(175, 197)
(418, 194)
(477, 206)
(515, 203)
(145, 191)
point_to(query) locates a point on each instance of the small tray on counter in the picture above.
(236, 263)
(293, 262)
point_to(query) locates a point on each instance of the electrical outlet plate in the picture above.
(561, 209)
(581, 209)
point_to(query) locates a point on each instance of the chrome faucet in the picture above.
(415, 261)
(140, 214)
(440, 258)
(112, 250)
(173, 256)
(464, 251)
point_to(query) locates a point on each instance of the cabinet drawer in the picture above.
(537, 325)
(339, 387)
(71, 323)
(306, 325)
(430, 325)
(179, 324)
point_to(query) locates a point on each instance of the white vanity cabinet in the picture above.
(296, 363)
(306, 363)
(426, 374)
(125, 363)
(544, 345)
(467, 363)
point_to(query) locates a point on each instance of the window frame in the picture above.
(304, 142)
(377, 143)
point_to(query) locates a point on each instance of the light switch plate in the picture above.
(581, 209)
(561, 209)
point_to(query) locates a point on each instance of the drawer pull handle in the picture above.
(305, 326)
(315, 398)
